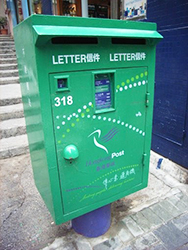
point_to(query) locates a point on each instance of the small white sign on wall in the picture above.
(135, 9)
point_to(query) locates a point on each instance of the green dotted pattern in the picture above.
(86, 111)
(76, 119)
(104, 119)
(133, 80)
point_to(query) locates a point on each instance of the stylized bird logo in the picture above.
(105, 138)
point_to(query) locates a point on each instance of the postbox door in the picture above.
(102, 114)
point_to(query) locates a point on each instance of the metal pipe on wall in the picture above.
(84, 4)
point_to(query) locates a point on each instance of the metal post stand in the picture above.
(93, 224)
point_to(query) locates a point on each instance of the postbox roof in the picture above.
(47, 27)
(44, 32)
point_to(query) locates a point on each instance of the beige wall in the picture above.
(2, 9)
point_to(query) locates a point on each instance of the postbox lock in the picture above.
(70, 152)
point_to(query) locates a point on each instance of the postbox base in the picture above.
(93, 224)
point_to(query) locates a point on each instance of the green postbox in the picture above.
(87, 87)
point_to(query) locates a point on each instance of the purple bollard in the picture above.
(94, 223)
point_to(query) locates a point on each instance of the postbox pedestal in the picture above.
(93, 224)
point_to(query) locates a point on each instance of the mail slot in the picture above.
(87, 89)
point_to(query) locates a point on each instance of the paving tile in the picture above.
(103, 246)
(153, 219)
(185, 247)
(171, 236)
(110, 244)
(59, 244)
(158, 247)
(172, 210)
(68, 246)
(183, 198)
(145, 242)
(150, 238)
(140, 244)
(185, 231)
(141, 221)
(177, 202)
(181, 222)
(83, 245)
(125, 235)
(161, 212)
(133, 226)
(128, 248)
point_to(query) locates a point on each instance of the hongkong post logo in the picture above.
(100, 141)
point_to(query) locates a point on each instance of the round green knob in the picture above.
(70, 152)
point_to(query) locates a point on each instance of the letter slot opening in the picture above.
(129, 41)
(74, 40)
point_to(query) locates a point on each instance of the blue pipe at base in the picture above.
(94, 223)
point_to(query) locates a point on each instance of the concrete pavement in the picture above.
(155, 218)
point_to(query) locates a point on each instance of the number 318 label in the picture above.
(63, 101)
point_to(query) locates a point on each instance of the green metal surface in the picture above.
(88, 107)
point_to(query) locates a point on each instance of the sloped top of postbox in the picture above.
(47, 27)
